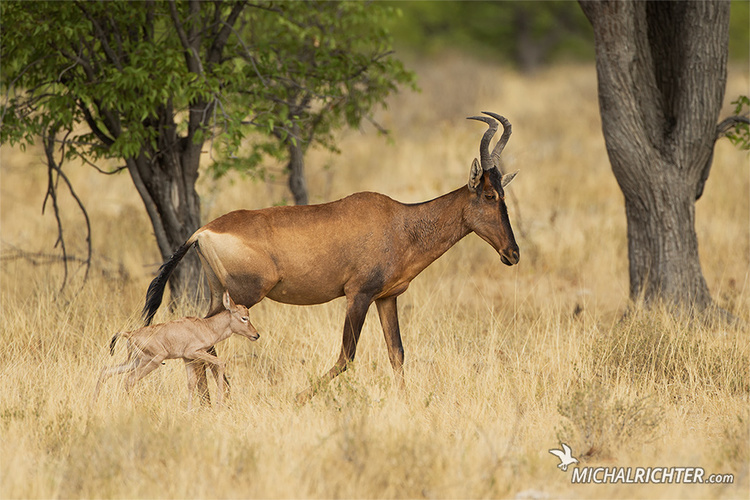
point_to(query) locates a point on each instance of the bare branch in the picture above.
(377, 125)
(54, 167)
(100, 170)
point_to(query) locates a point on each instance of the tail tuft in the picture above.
(113, 342)
(155, 291)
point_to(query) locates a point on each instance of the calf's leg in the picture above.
(144, 368)
(192, 379)
(107, 372)
(217, 366)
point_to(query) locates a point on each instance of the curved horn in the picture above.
(484, 145)
(507, 130)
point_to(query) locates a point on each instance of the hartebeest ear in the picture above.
(228, 302)
(508, 177)
(475, 177)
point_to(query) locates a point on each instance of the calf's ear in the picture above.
(228, 302)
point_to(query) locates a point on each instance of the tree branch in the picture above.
(55, 167)
(83, 62)
(91, 122)
(101, 35)
(191, 54)
(217, 47)
(729, 123)
(722, 129)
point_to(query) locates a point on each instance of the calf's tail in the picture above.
(155, 291)
(113, 342)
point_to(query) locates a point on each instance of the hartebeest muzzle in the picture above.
(510, 256)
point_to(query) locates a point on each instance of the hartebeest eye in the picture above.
(490, 195)
(245, 319)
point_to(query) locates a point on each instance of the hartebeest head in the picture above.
(488, 215)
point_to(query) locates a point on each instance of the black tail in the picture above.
(112, 344)
(156, 288)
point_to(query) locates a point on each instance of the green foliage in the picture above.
(113, 66)
(739, 134)
(522, 33)
(293, 71)
(311, 68)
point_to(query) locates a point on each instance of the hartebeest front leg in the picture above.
(388, 312)
(356, 311)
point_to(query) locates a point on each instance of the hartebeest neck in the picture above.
(436, 225)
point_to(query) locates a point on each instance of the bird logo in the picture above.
(566, 457)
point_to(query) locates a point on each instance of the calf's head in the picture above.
(239, 321)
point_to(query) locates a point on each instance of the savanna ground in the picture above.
(502, 363)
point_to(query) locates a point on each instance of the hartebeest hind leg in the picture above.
(388, 312)
(355, 317)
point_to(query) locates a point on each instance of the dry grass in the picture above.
(502, 363)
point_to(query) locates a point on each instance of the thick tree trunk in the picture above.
(296, 166)
(166, 183)
(662, 243)
(661, 68)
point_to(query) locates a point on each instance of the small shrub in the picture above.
(601, 423)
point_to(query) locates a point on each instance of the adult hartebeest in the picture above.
(366, 247)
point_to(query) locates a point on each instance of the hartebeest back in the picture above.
(366, 247)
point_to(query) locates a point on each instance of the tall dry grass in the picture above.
(502, 363)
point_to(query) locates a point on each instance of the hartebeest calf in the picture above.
(186, 338)
(366, 247)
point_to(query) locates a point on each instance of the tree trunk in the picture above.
(166, 181)
(662, 243)
(661, 68)
(296, 167)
